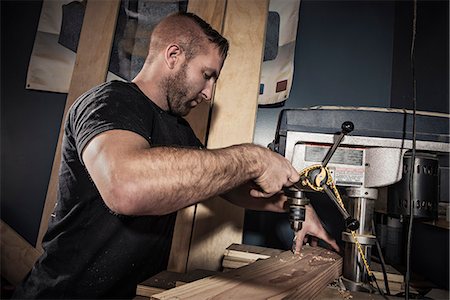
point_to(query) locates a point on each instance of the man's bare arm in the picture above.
(136, 179)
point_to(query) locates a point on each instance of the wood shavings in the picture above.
(321, 259)
(339, 285)
(345, 294)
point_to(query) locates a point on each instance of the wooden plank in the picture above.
(236, 96)
(179, 251)
(147, 291)
(218, 223)
(17, 255)
(91, 66)
(239, 255)
(285, 276)
(253, 249)
(393, 275)
(398, 278)
(212, 12)
(168, 279)
(244, 256)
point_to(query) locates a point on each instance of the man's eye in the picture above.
(206, 76)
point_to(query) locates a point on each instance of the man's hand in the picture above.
(312, 226)
(276, 172)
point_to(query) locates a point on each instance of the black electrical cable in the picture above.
(381, 257)
(413, 158)
(379, 289)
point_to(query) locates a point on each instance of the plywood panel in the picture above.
(212, 12)
(91, 66)
(285, 276)
(217, 223)
(17, 255)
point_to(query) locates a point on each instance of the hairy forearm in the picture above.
(161, 180)
(134, 178)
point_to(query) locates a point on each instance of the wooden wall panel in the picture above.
(218, 223)
(212, 12)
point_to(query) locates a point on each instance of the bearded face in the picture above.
(179, 95)
(192, 82)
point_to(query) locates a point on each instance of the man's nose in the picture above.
(207, 92)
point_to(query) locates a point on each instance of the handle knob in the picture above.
(351, 223)
(347, 127)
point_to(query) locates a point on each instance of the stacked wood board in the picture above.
(239, 255)
(395, 278)
(283, 276)
(167, 280)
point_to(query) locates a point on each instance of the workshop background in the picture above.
(351, 53)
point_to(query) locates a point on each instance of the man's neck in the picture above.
(151, 89)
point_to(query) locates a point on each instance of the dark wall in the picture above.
(343, 56)
(431, 56)
(30, 122)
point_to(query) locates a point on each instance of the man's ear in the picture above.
(172, 55)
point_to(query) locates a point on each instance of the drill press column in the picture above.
(361, 203)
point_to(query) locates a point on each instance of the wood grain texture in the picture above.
(17, 255)
(252, 249)
(285, 276)
(212, 12)
(239, 255)
(236, 98)
(181, 239)
(91, 67)
(217, 223)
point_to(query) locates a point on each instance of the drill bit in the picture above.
(294, 244)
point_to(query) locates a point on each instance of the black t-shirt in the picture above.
(91, 252)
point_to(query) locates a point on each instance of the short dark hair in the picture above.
(212, 34)
(177, 27)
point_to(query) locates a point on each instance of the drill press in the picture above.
(374, 155)
(316, 178)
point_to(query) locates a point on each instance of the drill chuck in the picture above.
(296, 200)
(296, 217)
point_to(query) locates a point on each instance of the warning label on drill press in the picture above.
(346, 164)
(347, 156)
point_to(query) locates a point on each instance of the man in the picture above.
(130, 161)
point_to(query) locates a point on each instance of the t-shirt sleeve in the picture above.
(107, 109)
